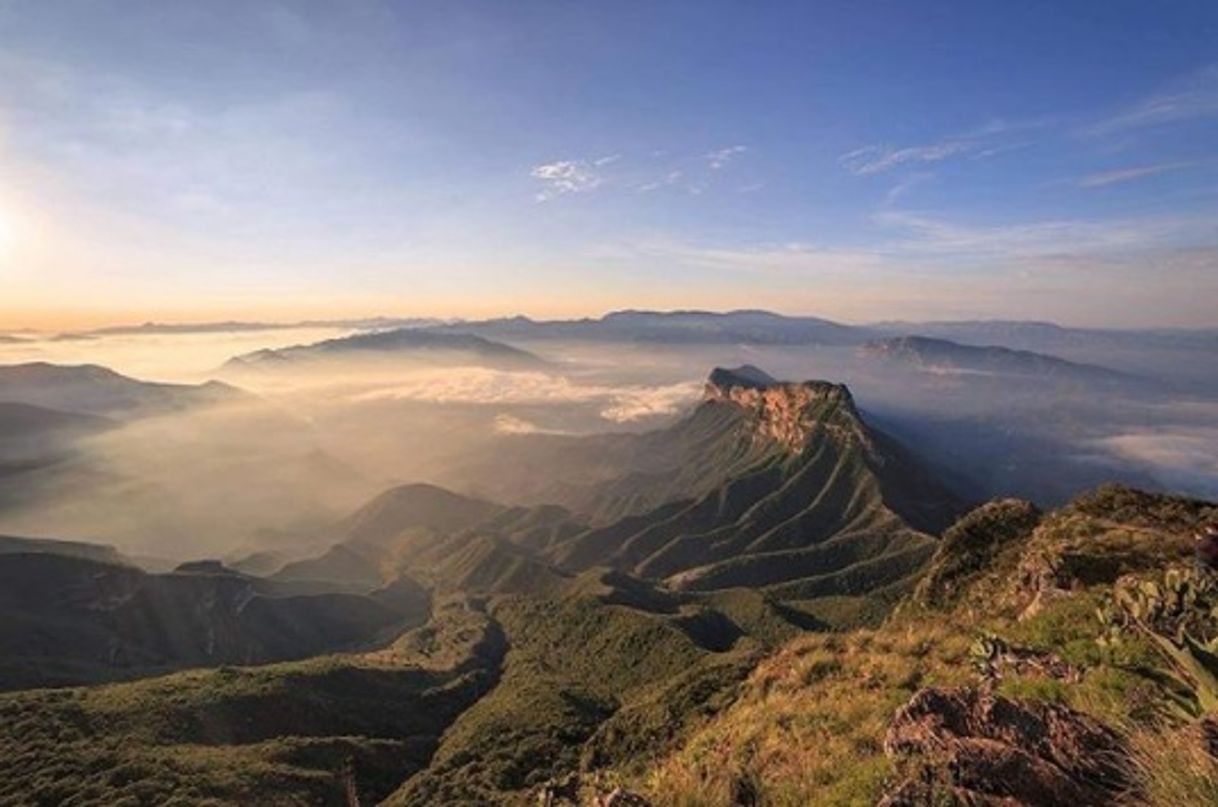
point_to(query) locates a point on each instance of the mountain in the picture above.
(103, 553)
(780, 487)
(72, 615)
(414, 344)
(21, 421)
(237, 326)
(32, 436)
(35, 437)
(95, 390)
(1049, 336)
(941, 355)
(673, 327)
(815, 502)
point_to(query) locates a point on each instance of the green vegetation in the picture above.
(747, 646)
(1010, 605)
(591, 684)
(301, 732)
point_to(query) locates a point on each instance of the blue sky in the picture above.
(849, 159)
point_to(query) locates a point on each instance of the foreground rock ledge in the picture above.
(980, 748)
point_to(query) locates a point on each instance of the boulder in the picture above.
(981, 748)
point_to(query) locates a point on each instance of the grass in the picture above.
(809, 722)
(1175, 767)
(588, 684)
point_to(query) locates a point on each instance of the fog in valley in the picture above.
(276, 458)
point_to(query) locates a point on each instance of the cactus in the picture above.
(1178, 614)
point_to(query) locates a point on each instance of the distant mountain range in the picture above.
(677, 327)
(86, 451)
(94, 390)
(1048, 336)
(431, 347)
(25, 423)
(941, 355)
(710, 327)
(237, 326)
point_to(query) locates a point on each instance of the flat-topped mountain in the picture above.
(942, 355)
(784, 412)
(431, 347)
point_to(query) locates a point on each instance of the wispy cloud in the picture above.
(1195, 96)
(906, 185)
(876, 159)
(927, 235)
(933, 243)
(982, 141)
(718, 158)
(671, 178)
(794, 258)
(1119, 175)
(569, 176)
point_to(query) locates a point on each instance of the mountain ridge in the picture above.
(423, 343)
(943, 355)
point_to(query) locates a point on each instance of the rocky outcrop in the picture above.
(572, 791)
(788, 412)
(981, 748)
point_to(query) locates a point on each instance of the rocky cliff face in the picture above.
(788, 412)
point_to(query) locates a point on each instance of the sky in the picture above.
(857, 160)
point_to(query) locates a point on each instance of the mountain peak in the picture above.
(786, 411)
(746, 375)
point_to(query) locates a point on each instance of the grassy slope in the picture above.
(592, 684)
(808, 725)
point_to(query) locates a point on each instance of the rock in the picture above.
(563, 790)
(980, 748)
(621, 797)
(1205, 546)
(571, 791)
(786, 412)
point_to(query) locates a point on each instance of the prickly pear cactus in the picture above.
(1178, 612)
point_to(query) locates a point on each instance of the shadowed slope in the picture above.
(824, 494)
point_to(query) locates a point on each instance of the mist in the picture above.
(302, 447)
